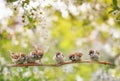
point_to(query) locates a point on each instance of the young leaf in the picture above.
(115, 4)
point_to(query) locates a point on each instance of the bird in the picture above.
(74, 57)
(18, 58)
(39, 54)
(22, 58)
(94, 55)
(59, 57)
(31, 57)
(35, 55)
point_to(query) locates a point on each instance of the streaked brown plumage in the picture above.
(94, 55)
(59, 57)
(35, 55)
(18, 58)
(75, 56)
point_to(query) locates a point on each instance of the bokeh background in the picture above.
(65, 25)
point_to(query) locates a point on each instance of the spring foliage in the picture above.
(66, 25)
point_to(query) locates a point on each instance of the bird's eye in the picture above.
(91, 51)
(57, 55)
(71, 57)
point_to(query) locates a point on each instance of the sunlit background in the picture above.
(65, 25)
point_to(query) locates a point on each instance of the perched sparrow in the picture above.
(39, 54)
(18, 58)
(94, 55)
(75, 56)
(59, 58)
(22, 58)
(14, 57)
(31, 57)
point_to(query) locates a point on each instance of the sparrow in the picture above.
(39, 54)
(35, 55)
(59, 58)
(31, 57)
(75, 56)
(94, 55)
(22, 58)
(18, 58)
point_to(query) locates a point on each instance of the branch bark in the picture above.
(56, 65)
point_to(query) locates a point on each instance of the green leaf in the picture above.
(30, 19)
(27, 1)
(115, 4)
(118, 17)
(111, 11)
(11, 0)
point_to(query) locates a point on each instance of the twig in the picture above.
(56, 65)
(106, 63)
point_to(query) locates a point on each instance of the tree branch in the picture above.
(56, 65)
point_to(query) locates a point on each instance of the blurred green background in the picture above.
(65, 25)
